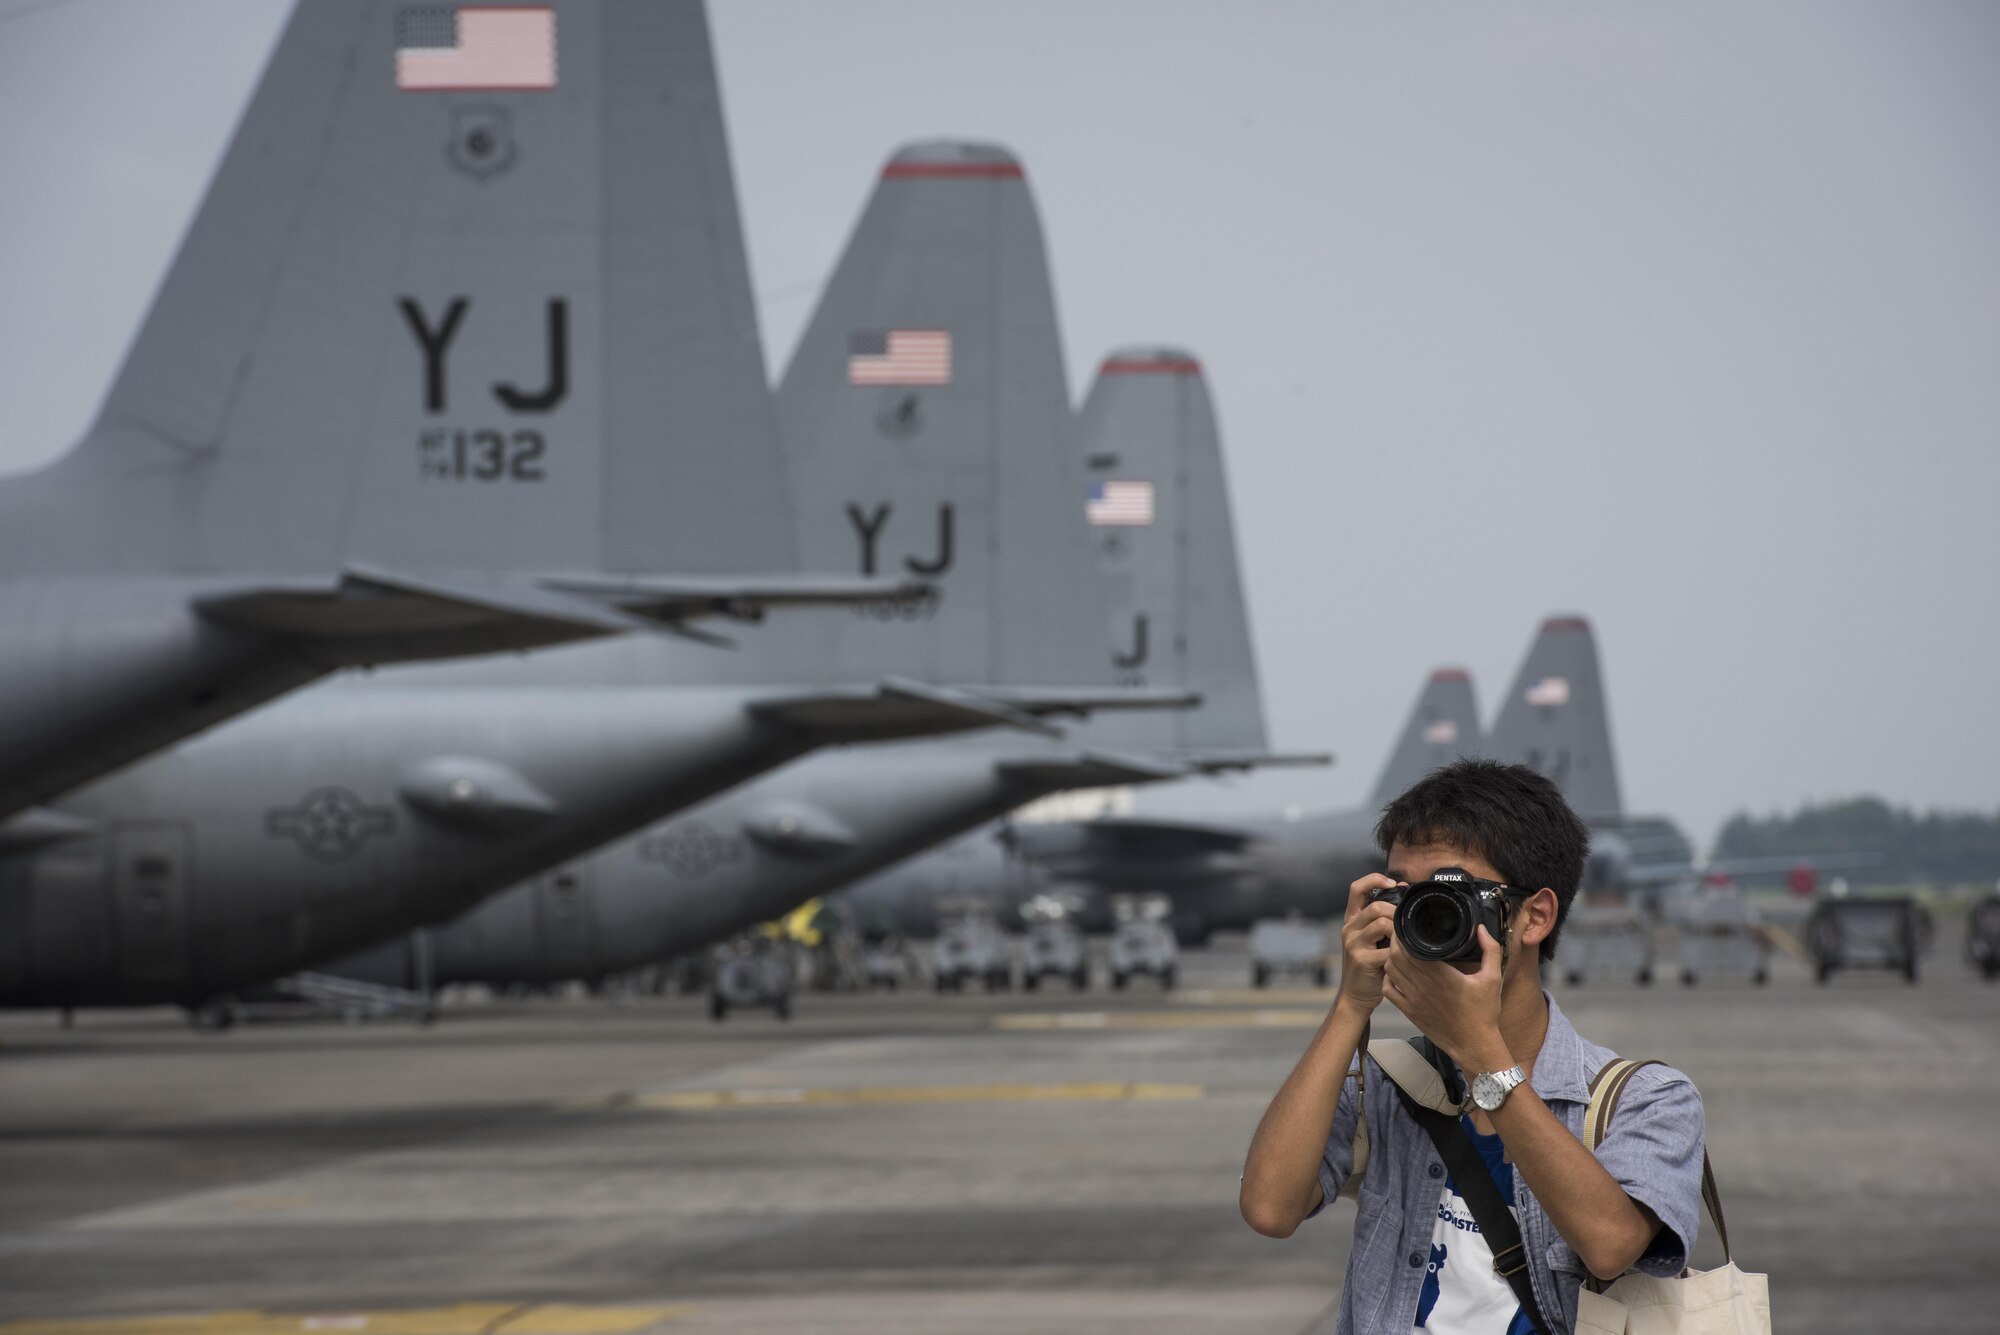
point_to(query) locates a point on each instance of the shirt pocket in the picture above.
(1563, 1260)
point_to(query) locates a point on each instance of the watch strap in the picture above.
(1509, 1080)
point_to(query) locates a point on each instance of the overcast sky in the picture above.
(1686, 317)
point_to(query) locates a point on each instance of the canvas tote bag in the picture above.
(1727, 1301)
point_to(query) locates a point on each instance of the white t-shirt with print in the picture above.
(1463, 1294)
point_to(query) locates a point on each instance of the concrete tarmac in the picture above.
(1053, 1161)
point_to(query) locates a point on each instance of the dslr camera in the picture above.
(1439, 919)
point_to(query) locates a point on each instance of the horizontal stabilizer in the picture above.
(1082, 701)
(363, 606)
(1089, 769)
(892, 709)
(1220, 761)
(38, 827)
(741, 597)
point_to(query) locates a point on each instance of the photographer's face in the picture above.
(1528, 922)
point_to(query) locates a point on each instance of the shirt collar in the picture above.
(1559, 1065)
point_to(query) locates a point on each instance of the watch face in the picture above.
(1489, 1090)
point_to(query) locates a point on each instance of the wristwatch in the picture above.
(1491, 1088)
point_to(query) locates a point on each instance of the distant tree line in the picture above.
(1876, 842)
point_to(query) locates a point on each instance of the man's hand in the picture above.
(1459, 1011)
(1364, 944)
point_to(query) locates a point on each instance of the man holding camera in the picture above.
(1484, 860)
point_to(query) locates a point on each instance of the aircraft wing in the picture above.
(1782, 862)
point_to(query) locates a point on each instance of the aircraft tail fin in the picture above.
(466, 293)
(1158, 508)
(927, 433)
(1554, 719)
(1443, 726)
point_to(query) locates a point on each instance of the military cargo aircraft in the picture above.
(1228, 874)
(1218, 874)
(367, 806)
(407, 390)
(949, 236)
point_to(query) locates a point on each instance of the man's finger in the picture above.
(1358, 892)
(1489, 951)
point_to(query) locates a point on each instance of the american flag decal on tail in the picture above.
(1120, 503)
(899, 357)
(1548, 693)
(464, 48)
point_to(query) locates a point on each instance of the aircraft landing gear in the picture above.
(213, 1016)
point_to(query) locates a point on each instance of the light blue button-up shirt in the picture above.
(1653, 1149)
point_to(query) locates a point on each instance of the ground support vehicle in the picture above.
(1054, 950)
(971, 947)
(1612, 940)
(751, 972)
(1721, 935)
(1144, 946)
(1857, 933)
(1982, 937)
(1283, 947)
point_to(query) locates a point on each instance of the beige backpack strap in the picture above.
(1606, 1089)
(1417, 1077)
(1404, 1065)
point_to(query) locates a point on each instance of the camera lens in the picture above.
(1435, 924)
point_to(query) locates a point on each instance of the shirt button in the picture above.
(1416, 1260)
(1437, 1170)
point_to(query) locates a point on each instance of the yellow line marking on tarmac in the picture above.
(575, 1319)
(459, 1319)
(1088, 1091)
(1788, 943)
(1268, 1018)
(1255, 996)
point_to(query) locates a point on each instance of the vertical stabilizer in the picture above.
(1443, 726)
(1157, 502)
(927, 432)
(1554, 719)
(467, 292)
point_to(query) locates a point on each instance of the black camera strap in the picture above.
(1475, 1183)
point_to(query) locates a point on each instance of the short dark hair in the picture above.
(1507, 815)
